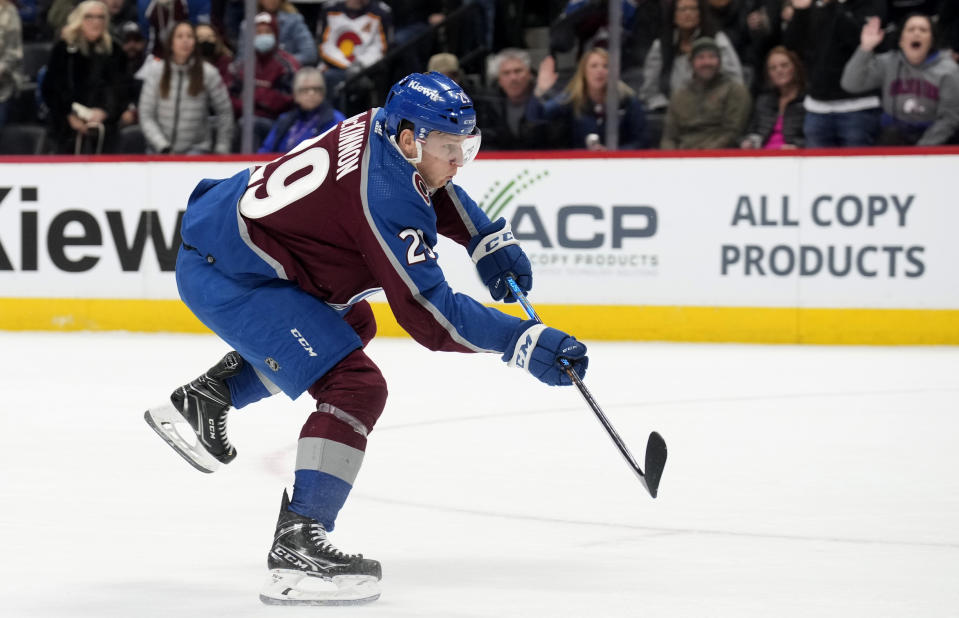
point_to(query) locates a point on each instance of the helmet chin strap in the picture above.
(419, 150)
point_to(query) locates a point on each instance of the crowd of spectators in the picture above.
(166, 76)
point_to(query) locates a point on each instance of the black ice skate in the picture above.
(203, 404)
(305, 569)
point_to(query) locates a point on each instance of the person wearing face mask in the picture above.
(292, 34)
(273, 72)
(212, 49)
(920, 84)
(313, 114)
(177, 97)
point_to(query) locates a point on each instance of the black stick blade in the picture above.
(655, 462)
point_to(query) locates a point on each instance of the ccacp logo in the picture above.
(577, 226)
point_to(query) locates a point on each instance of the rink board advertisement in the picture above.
(807, 248)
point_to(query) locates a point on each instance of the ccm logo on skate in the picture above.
(303, 342)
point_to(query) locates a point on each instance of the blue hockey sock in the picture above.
(246, 387)
(319, 495)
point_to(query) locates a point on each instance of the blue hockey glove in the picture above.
(496, 255)
(538, 349)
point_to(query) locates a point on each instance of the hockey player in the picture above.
(278, 260)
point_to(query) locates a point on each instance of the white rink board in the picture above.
(678, 219)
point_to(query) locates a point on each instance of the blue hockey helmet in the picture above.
(432, 102)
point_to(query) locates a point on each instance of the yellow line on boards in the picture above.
(596, 322)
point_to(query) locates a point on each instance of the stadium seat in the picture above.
(23, 139)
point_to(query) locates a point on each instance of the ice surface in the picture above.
(802, 481)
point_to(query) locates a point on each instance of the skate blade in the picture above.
(299, 588)
(168, 423)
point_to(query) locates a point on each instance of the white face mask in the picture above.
(264, 42)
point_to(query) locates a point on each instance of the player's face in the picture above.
(444, 154)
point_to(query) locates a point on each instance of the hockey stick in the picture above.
(655, 446)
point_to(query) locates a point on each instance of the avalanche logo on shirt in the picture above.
(347, 44)
(420, 185)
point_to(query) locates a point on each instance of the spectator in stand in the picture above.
(313, 113)
(412, 19)
(177, 97)
(273, 72)
(582, 107)
(710, 111)
(293, 36)
(161, 16)
(730, 19)
(948, 26)
(825, 35)
(511, 117)
(121, 12)
(919, 84)
(898, 10)
(83, 86)
(213, 50)
(584, 24)
(134, 48)
(778, 114)
(31, 19)
(57, 14)
(353, 34)
(764, 31)
(449, 65)
(667, 67)
(11, 56)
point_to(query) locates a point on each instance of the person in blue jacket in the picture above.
(313, 114)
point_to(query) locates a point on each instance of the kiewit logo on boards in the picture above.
(598, 238)
(75, 239)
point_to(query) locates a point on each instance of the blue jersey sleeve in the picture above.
(457, 215)
(402, 226)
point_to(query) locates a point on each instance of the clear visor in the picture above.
(456, 149)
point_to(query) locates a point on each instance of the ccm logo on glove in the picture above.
(497, 254)
(540, 350)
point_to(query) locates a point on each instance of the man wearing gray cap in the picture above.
(711, 111)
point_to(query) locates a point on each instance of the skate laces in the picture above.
(221, 430)
(322, 542)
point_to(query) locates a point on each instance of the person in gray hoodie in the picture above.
(178, 93)
(920, 84)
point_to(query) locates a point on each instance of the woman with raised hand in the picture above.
(920, 84)
(582, 106)
(176, 98)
